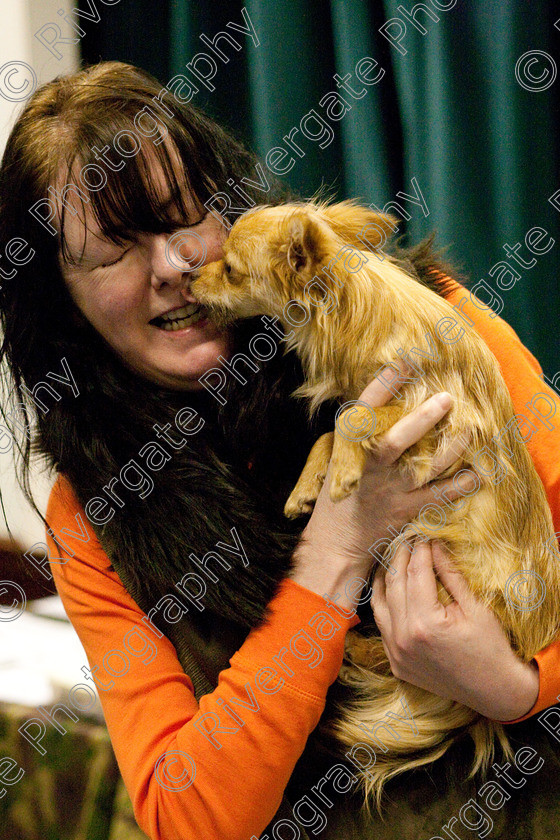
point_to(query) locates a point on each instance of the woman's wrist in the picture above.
(326, 573)
(523, 694)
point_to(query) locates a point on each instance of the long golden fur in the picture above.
(361, 314)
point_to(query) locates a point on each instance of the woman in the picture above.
(100, 172)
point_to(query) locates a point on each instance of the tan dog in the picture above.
(357, 308)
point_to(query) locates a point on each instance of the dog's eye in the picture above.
(227, 268)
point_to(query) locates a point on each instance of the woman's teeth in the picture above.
(186, 316)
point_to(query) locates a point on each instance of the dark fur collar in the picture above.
(206, 489)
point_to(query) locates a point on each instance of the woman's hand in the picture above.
(459, 651)
(334, 545)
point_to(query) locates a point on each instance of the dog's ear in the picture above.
(303, 244)
(360, 227)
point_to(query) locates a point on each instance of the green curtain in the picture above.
(449, 112)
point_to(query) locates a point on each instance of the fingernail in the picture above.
(444, 399)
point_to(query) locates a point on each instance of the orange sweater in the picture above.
(179, 768)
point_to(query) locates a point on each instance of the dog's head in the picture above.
(277, 255)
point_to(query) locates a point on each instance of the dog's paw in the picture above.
(298, 506)
(304, 495)
(343, 483)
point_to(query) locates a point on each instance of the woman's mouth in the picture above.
(178, 319)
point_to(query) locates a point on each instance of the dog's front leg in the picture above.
(356, 432)
(303, 496)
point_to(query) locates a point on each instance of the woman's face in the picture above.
(137, 295)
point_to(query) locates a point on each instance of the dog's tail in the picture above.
(392, 726)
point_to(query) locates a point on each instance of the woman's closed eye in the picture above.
(127, 246)
(187, 225)
(117, 259)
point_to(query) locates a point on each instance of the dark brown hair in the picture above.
(54, 137)
(207, 488)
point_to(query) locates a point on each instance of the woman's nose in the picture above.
(174, 255)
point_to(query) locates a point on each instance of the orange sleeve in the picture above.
(210, 784)
(541, 414)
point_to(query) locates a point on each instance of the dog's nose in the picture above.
(187, 291)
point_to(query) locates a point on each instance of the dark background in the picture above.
(450, 113)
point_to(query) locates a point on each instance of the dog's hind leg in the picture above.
(308, 487)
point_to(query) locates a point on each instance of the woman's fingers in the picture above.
(450, 454)
(421, 590)
(383, 388)
(394, 587)
(412, 428)
(453, 580)
(464, 483)
(442, 492)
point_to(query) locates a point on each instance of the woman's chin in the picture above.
(187, 357)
